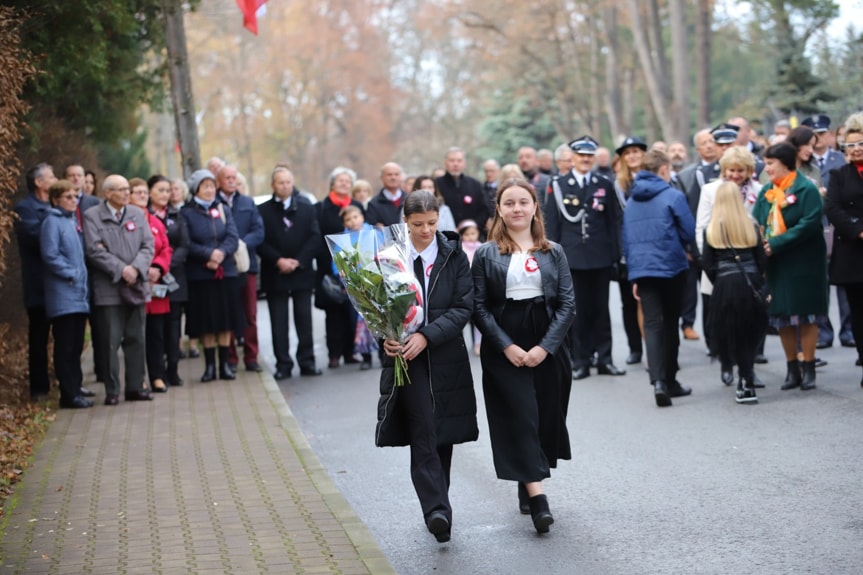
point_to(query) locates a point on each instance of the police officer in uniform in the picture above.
(583, 215)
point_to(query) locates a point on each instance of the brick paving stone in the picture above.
(208, 478)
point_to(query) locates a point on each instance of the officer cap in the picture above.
(630, 142)
(818, 122)
(584, 145)
(725, 133)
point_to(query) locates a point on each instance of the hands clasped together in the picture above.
(521, 358)
(412, 347)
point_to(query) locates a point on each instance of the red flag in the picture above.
(249, 8)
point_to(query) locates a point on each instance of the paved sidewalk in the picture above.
(208, 478)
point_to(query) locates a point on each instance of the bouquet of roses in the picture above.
(374, 266)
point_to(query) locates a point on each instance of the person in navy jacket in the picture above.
(292, 237)
(657, 225)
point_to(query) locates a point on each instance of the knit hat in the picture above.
(197, 178)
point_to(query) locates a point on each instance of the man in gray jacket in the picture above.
(119, 247)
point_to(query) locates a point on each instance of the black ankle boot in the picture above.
(746, 391)
(209, 364)
(660, 392)
(540, 513)
(523, 499)
(793, 378)
(174, 378)
(225, 371)
(808, 381)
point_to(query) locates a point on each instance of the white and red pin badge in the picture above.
(531, 265)
(288, 223)
(130, 226)
(468, 200)
(792, 199)
(600, 193)
(155, 230)
(214, 213)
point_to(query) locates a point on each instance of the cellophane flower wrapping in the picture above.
(375, 266)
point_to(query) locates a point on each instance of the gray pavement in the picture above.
(208, 478)
(707, 486)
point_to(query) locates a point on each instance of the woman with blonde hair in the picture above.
(734, 260)
(509, 172)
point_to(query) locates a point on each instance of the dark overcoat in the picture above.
(844, 208)
(292, 233)
(449, 306)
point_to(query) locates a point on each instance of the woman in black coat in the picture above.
(437, 408)
(844, 208)
(524, 305)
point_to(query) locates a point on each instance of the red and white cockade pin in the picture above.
(792, 199)
(131, 226)
(214, 213)
(531, 265)
(468, 199)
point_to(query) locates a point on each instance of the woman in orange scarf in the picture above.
(789, 211)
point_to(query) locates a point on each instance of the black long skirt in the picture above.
(526, 407)
(737, 319)
(214, 306)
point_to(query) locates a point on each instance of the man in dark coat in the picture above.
(291, 240)
(583, 215)
(529, 165)
(385, 209)
(32, 211)
(251, 231)
(464, 195)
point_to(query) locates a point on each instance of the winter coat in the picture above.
(31, 212)
(65, 271)
(844, 208)
(466, 198)
(657, 225)
(292, 233)
(161, 260)
(449, 305)
(382, 211)
(797, 265)
(489, 271)
(250, 228)
(208, 232)
(111, 246)
(329, 222)
(178, 237)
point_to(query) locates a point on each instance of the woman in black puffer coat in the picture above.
(437, 409)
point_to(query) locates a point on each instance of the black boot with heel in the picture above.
(225, 371)
(793, 378)
(523, 499)
(540, 513)
(209, 364)
(808, 380)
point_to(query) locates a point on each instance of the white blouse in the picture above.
(523, 279)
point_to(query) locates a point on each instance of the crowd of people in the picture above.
(525, 257)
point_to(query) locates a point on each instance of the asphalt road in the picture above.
(706, 486)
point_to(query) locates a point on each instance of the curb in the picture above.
(367, 547)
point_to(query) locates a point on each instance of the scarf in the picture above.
(204, 203)
(776, 197)
(340, 200)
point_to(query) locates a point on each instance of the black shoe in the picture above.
(757, 383)
(851, 343)
(142, 395)
(194, 353)
(677, 389)
(610, 369)
(523, 499)
(581, 372)
(793, 377)
(209, 364)
(77, 402)
(86, 392)
(365, 365)
(438, 525)
(808, 381)
(540, 513)
(857, 363)
(226, 369)
(760, 359)
(181, 355)
(282, 374)
(112, 399)
(823, 345)
(162, 389)
(745, 391)
(633, 358)
(727, 376)
(310, 371)
(820, 362)
(174, 380)
(660, 393)
(254, 366)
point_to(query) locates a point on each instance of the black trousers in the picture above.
(341, 326)
(591, 330)
(661, 299)
(280, 318)
(855, 307)
(154, 342)
(172, 338)
(690, 297)
(37, 341)
(705, 318)
(430, 464)
(68, 345)
(630, 317)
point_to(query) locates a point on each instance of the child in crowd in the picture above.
(469, 232)
(364, 341)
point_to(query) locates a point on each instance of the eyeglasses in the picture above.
(123, 189)
(852, 145)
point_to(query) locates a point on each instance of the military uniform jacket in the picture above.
(586, 222)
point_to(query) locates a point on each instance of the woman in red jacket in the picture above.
(159, 307)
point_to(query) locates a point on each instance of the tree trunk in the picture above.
(702, 66)
(613, 104)
(651, 76)
(680, 59)
(595, 102)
